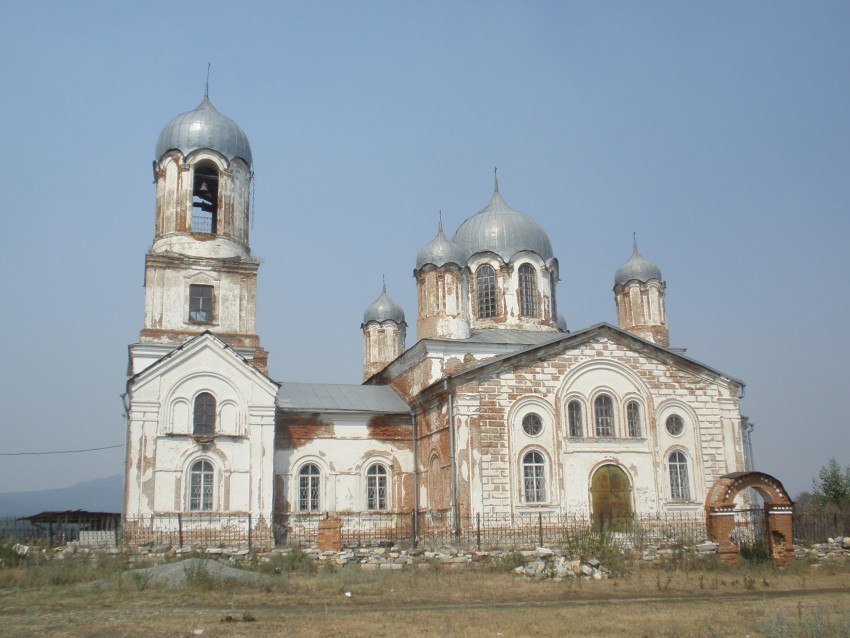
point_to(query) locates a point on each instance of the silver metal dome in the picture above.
(204, 127)
(562, 323)
(383, 309)
(441, 251)
(502, 230)
(637, 267)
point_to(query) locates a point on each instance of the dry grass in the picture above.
(60, 600)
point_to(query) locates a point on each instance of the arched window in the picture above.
(603, 414)
(308, 488)
(679, 485)
(204, 418)
(376, 487)
(527, 291)
(633, 418)
(575, 419)
(201, 477)
(534, 478)
(205, 198)
(485, 289)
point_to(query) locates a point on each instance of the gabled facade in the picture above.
(496, 409)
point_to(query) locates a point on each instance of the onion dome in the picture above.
(562, 323)
(383, 309)
(204, 127)
(637, 267)
(441, 251)
(501, 229)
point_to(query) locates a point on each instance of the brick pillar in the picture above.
(721, 524)
(780, 533)
(330, 534)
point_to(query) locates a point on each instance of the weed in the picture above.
(199, 577)
(756, 551)
(295, 561)
(505, 562)
(598, 542)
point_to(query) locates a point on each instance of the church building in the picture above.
(495, 408)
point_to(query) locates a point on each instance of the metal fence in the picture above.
(433, 529)
(493, 531)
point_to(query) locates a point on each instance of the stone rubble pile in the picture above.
(832, 549)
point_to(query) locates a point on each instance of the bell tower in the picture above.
(384, 333)
(639, 296)
(200, 274)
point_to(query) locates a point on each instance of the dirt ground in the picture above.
(800, 600)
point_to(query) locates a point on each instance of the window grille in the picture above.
(527, 291)
(201, 486)
(633, 418)
(679, 485)
(376, 487)
(204, 416)
(534, 477)
(308, 488)
(485, 287)
(575, 419)
(532, 424)
(603, 408)
(205, 198)
(675, 425)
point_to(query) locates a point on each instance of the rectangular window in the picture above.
(200, 304)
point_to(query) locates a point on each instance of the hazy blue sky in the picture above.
(718, 131)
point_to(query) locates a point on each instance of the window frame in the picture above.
(634, 422)
(204, 415)
(527, 275)
(377, 492)
(201, 496)
(605, 424)
(533, 464)
(485, 292)
(575, 427)
(536, 424)
(679, 476)
(309, 476)
(675, 418)
(197, 312)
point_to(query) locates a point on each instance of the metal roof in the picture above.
(383, 309)
(327, 397)
(501, 229)
(441, 251)
(518, 337)
(204, 127)
(637, 267)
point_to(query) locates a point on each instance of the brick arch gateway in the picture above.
(778, 512)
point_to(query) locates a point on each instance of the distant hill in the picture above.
(99, 495)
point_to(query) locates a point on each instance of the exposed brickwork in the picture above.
(330, 534)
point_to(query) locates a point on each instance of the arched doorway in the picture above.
(611, 495)
(721, 512)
